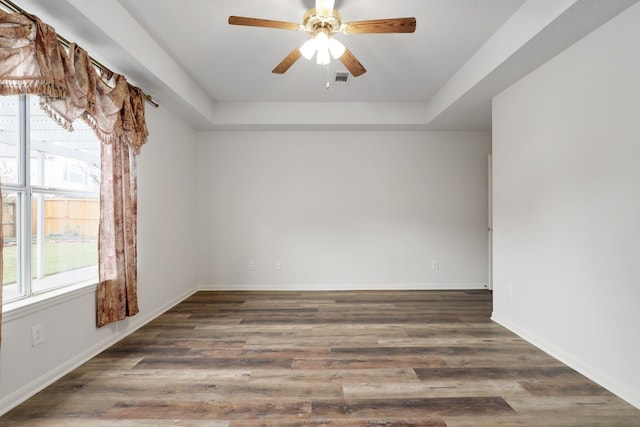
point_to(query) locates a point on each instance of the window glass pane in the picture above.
(62, 159)
(65, 240)
(9, 139)
(50, 237)
(11, 227)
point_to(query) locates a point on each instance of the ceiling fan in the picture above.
(321, 23)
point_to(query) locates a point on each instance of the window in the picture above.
(50, 191)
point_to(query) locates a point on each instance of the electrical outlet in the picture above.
(278, 266)
(435, 264)
(252, 265)
(37, 334)
(509, 292)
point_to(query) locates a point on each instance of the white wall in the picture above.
(566, 146)
(342, 209)
(166, 270)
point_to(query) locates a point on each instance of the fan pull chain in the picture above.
(328, 79)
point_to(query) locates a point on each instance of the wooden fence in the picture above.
(63, 218)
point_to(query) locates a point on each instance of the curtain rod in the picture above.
(17, 9)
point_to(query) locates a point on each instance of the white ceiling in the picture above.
(234, 63)
(218, 76)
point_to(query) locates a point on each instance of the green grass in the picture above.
(58, 257)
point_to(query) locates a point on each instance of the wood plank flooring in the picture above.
(375, 358)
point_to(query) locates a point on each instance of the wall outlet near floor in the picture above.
(278, 266)
(252, 265)
(435, 264)
(509, 292)
(37, 334)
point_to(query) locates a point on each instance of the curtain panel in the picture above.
(32, 61)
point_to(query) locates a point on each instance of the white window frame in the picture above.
(26, 195)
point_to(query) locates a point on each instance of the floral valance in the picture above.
(32, 61)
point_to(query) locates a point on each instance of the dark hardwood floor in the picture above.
(411, 358)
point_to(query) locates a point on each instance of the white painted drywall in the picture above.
(166, 270)
(566, 145)
(342, 210)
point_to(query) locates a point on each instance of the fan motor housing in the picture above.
(312, 22)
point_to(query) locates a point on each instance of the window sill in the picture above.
(24, 307)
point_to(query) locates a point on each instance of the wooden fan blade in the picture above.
(353, 65)
(287, 62)
(265, 23)
(392, 25)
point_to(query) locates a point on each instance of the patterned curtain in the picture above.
(117, 295)
(32, 61)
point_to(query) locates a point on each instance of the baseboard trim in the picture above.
(614, 386)
(29, 390)
(341, 287)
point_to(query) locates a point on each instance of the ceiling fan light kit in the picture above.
(321, 29)
(321, 23)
